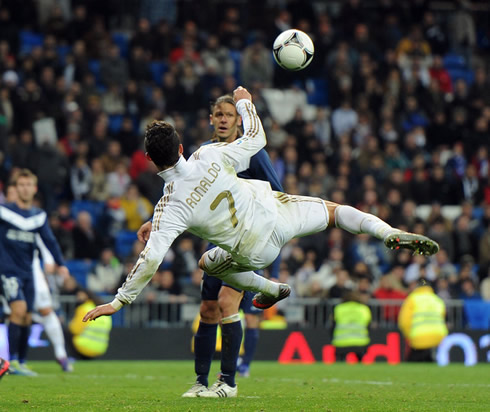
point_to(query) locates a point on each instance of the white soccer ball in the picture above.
(293, 50)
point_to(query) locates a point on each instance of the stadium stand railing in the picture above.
(302, 313)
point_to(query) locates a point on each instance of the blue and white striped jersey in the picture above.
(18, 231)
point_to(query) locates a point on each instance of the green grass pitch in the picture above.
(158, 385)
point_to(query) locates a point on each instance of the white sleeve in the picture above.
(46, 255)
(239, 152)
(166, 226)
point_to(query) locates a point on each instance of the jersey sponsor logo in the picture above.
(21, 236)
(204, 185)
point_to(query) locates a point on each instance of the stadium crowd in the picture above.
(392, 117)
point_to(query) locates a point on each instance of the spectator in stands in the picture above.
(80, 178)
(114, 69)
(342, 285)
(386, 290)
(86, 240)
(485, 287)
(469, 290)
(119, 180)
(137, 208)
(106, 274)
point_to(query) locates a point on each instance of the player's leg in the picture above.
(302, 215)
(252, 322)
(205, 337)
(54, 331)
(19, 294)
(50, 321)
(356, 222)
(219, 263)
(231, 332)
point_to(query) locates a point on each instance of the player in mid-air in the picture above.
(20, 225)
(220, 301)
(246, 219)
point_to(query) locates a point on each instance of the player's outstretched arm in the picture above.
(101, 310)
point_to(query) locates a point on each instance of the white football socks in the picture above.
(52, 327)
(356, 222)
(253, 282)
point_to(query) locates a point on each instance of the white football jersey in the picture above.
(204, 196)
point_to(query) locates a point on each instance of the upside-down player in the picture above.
(220, 301)
(246, 219)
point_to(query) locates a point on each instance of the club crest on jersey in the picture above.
(204, 184)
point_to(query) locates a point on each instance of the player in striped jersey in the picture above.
(20, 223)
(43, 303)
(246, 219)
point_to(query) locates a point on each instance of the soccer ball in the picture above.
(293, 50)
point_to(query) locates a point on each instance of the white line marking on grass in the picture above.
(360, 382)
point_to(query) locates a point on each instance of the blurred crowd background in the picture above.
(392, 117)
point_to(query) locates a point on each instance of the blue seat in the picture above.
(96, 209)
(454, 61)
(317, 93)
(122, 41)
(94, 67)
(80, 269)
(157, 68)
(478, 314)
(236, 56)
(29, 40)
(465, 74)
(62, 52)
(115, 123)
(124, 243)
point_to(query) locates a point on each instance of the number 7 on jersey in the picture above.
(231, 205)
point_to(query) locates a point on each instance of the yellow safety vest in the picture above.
(351, 324)
(94, 338)
(428, 326)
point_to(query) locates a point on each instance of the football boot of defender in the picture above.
(21, 369)
(219, 389)
(419, 244)
(195, 390)
(263, 301)
(4, 367)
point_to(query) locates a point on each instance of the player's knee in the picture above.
(209, 311)
(229, 301)
(45, 311)
(202, 262)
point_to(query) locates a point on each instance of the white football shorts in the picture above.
(297, 216)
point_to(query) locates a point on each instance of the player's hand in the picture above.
(101, 310)
(63, 272)
(144, 232)
(241, 93)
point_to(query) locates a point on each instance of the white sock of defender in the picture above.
(53, 329)
(356, 222)
(253, 282)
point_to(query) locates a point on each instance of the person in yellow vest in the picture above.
(422, 322)
(88, 339)
(351, 326)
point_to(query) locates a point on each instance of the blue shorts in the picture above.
(211, 286)
(15, 288)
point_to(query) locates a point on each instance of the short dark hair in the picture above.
(162, 143)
